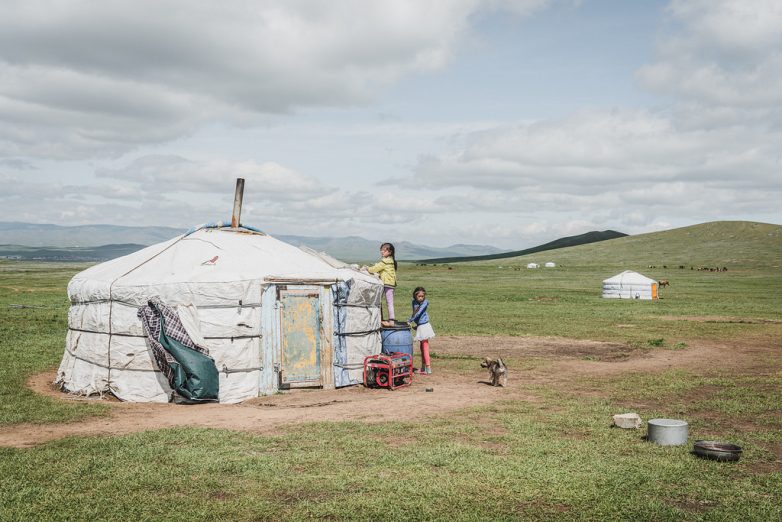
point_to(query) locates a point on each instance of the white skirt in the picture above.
(424, 332)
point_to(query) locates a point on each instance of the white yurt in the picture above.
(630, 285)
(532, 265)
(271, 315)
(550, 264)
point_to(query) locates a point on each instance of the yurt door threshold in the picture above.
(300, 336)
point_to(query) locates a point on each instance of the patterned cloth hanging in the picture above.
(190, 371)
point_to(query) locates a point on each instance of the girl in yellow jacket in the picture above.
(386, 269)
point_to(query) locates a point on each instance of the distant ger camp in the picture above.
(630, 285)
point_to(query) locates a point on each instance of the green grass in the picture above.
(532, 462)
(503, 297)
(566, 301)
(552, 458)
(32, 339)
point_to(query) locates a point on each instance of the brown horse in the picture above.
(663, 282)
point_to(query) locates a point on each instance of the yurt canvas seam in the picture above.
(123, 369)
(224, 368)
(200, 307)
(111, 303)
(232, 337)
(222, 224)
(357, 334)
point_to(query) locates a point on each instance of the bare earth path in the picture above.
(564, 359)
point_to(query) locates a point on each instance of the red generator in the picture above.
(388, 371)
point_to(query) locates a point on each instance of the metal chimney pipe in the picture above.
(236, 216)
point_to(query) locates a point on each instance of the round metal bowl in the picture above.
(716, 450)
(667, 432)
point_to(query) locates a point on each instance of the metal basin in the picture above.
(716, 450)
(398, 325)
(667, 432)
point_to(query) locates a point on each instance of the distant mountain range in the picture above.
(100, 242)
(45, 235)
(354, 248)
(85, 254)
(582, 239)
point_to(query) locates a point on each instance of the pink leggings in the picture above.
(425, 353)
(389, 291)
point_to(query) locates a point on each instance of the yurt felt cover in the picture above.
(219, 275)
(630, 285)
(356, 327)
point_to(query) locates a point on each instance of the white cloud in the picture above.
(712, 153)
(88, 80)
(595, 151)
(176, 191)
(165, 174)
(726, 52)
(85, 79)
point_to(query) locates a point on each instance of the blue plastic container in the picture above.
(397, 338)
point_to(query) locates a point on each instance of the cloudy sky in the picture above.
(502, 122)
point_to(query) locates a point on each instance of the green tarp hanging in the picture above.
(190, 371)
(194, 374)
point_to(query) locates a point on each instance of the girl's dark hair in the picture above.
(393, 252)
(419, 289)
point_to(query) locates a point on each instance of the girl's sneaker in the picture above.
(428, 370)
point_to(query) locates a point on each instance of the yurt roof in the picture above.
(212, 255)
(629, 277)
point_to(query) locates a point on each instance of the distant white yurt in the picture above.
(630, 285)
(271, 316)
(532, 265)
(550, 264)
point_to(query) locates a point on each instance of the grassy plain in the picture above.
(553, 457)
(503, 297)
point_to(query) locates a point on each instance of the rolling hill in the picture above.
(730, 244)
(589, 237)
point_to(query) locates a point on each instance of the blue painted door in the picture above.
(300, 336)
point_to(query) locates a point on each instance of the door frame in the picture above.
(321, 291)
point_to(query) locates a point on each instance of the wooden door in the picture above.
(300, 336)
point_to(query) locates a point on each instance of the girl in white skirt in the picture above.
(423, 330)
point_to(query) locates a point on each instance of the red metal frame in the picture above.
(389, 371)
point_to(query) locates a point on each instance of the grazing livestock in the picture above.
(712, 269)
(663, 282)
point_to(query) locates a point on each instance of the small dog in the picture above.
(497, 370)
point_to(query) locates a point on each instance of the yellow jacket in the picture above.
(385, 269)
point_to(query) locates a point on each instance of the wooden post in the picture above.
(237, 203)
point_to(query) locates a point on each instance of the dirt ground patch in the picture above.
(452, 390)
(518, 347)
